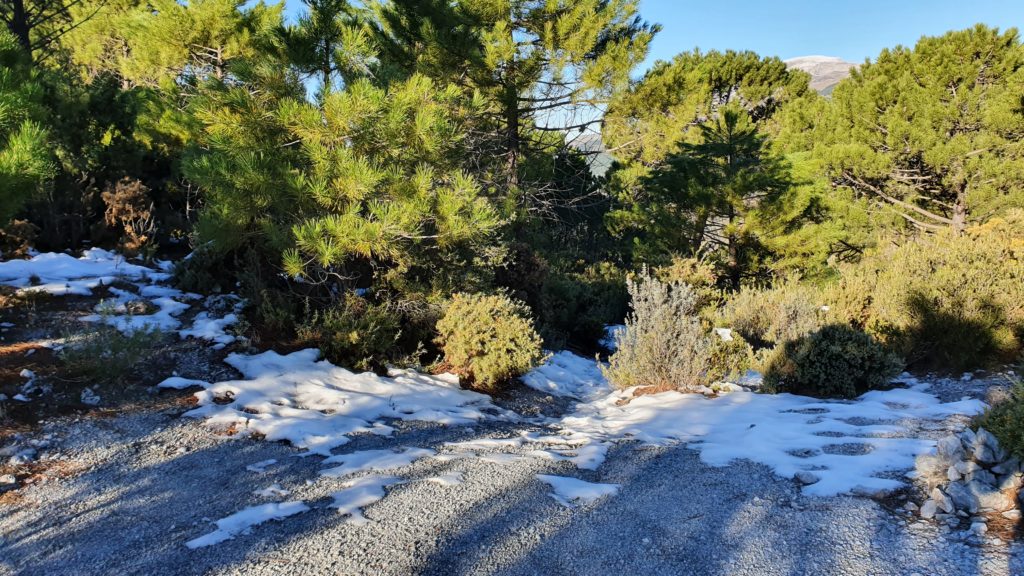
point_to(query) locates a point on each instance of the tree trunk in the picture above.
(512, 140)
(19, 25)
(960, 211)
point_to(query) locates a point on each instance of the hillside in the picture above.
(825, 71)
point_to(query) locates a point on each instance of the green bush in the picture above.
(943, 302)
(729, 360)
(1005, 419)
(488, 340)
(664, 344)
(700, 275)
(835, 361)
(774, 316)
(355, 333)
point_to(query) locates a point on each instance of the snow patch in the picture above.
(316, 405)
(571, 492)
(372, 460)
(360, 493)
(60, 274)
(566, 374)
(240, 522)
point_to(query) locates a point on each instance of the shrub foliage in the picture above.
(488, 339)
(664, 344)
(835, 361)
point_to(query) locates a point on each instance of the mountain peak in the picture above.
(825, 71)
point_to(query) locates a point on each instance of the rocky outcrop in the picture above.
(970, 476)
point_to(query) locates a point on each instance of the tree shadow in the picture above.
(955, 339)
(672, 514)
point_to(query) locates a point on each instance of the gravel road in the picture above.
(124, 494)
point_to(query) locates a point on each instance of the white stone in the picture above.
(944, 502)
(950, 448)
(953, 474)
(928, 509)
(1012, 514)
(990, 498)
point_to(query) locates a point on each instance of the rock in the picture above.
(978, 528)
(89, 398)
(953, 474)
(950, 448)
(966, 467)
(805, 477)
(986, 447)
(962, 498)
(928, 509)
(1011, 481)
(983, 476)
(944, 502)
(910, 507)
(1012, 514)
(1010, 466)
(23, 457)
(967, 438)
(988, 497)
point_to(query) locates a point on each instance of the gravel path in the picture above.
(124, 494)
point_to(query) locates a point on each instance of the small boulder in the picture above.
(950, 448)
(943, 501)
(928, 509)
(983, 476)
(967, 438)
(1007, 467)
(986, 447)
(962, 498)
(988, 497)
(953, 474)
(806, 478)
(1012, 514)
(966, 467)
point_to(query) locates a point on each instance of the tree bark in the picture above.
(19, 24)
(960, 211)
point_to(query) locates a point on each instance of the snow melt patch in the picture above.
(566, 374)
(241, 521)
(571, 492)
(360, 493)
(789, 433)
(59, 274)
(316, 405)
(372, 460)
(211, 328)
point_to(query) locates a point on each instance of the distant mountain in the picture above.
(825, 71)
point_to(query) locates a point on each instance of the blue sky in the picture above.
(850, 29)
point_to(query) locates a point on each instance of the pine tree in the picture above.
(694, 164)
(703, 199)
(330, 42)
(188, 43)
(540, 66)
(25, 159)
(932, 134)
(37, 24)
(367, 180)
